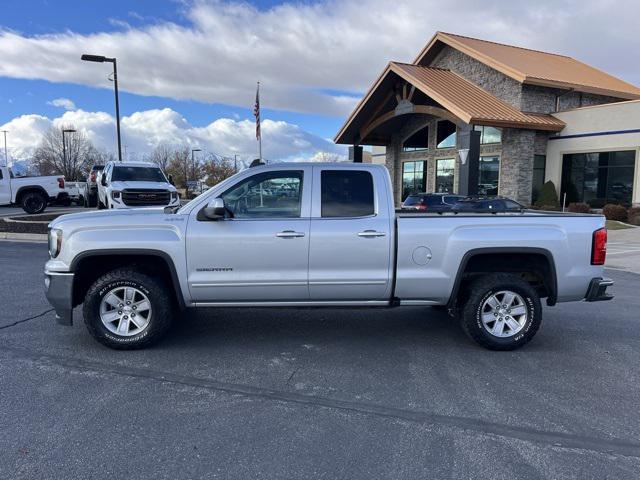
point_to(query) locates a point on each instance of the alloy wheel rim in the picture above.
(504, 314)
(125, 311)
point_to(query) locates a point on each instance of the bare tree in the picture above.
(162, 156)
(217, 169)
(50, 157)
(182, 169)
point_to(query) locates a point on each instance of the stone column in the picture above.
(516, 164)
(394, 165)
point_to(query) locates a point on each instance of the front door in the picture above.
(351, 236)
(259, 253)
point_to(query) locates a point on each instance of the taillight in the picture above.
(61, 182)
(92, 178)
(599, 247)
(421, 207)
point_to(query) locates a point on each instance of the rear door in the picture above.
(351, 235)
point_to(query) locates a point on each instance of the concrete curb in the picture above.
(23, 237)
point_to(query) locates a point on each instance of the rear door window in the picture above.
(346, 193)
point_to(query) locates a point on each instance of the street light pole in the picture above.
(193, 165)
(6, 155)
(102, 59)
(64, 146)
(235, 163)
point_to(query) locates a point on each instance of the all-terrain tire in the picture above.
(480, 291)
(156, 291)
(34, 202)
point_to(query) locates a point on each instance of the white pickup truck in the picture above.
(319, 235)
(33, 194)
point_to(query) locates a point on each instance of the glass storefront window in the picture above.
(445, 134)
(598, 178)
(413, 179)
(539, 165)
(489, 175)
(489, 134)
(444, 175)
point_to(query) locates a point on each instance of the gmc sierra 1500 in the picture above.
(319, 235)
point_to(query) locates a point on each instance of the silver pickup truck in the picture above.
(319, 235)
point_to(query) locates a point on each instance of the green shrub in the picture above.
(548, 196)
(633, 216)
(615, 212)
(579, 207)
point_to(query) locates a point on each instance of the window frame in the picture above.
(480, 128)
(455, 132)
(318, 205)
(453, 181)
(499, 157)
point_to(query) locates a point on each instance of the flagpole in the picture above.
(260, 127)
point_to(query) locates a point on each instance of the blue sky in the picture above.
(188, 68)
(45, 17)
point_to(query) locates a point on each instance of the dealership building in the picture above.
(477, 117)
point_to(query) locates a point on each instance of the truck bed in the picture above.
(432, 247)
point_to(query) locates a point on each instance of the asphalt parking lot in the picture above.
(268, 393)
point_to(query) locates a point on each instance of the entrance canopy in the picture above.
(404, 90)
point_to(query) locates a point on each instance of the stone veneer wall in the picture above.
(494, 82)
(539, 99)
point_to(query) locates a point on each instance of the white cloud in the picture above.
(62, 103)
(143, 131)
(300, 51)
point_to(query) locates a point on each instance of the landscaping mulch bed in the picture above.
(15, 227)
(28, 223)
(44, 217)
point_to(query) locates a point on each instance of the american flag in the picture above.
(256, 112)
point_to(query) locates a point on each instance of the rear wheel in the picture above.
(502, 312)
(126, 309)
(34, 202)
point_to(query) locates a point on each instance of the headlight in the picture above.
(55, 242)
(115, 194)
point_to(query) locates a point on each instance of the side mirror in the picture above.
(171, 180)
(215, 209)
(103, 181)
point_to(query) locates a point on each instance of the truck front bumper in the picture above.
(58, 287)
(597, 291)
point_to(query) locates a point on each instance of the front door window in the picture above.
(266, 195)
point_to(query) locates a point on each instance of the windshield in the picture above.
(137, 174)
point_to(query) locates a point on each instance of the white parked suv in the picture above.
(135, 184)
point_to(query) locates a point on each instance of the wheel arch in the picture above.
(91, 264)
(531, 260)
(22, 191)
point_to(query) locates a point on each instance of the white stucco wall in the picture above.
(601, 118)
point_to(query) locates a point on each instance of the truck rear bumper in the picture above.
(597, 291)
(58, 288)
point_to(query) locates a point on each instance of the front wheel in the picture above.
(126, 309)
(502, 312)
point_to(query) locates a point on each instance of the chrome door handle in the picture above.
(371, 233)
(289, 234)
